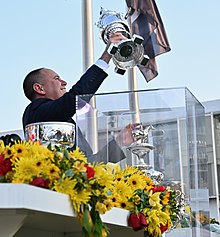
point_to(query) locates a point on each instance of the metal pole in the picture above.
(88, 60)
(87, 34)
(133, 95)
(133, 98)
(133, 104)
(132, 87)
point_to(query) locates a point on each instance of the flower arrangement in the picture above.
(93, 188)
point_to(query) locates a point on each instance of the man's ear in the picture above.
(39, 89)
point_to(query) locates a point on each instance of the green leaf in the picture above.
(49, 147)
(84, 175)
(109, 192)
(2, 179)
(69, 173)
(86, 223)
(66, 154)
(97, 221)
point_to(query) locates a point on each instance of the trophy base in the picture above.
(128, 53)
(155, 175)
(140, 149)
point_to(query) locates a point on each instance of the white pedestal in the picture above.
(26, 211)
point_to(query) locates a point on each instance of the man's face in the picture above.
(54, 87)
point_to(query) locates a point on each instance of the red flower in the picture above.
(163, 228)
(89, 171)
(143, 220)
(158, 189)
(1, 158)
(137, 222)
(5, 165)
(40, 182)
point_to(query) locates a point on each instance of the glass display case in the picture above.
(162, 130)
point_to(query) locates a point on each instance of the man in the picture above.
(51, 103)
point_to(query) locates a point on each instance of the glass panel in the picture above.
(210, 155)
(168, 131)
(217, 144)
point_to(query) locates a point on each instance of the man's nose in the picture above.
(63, 83)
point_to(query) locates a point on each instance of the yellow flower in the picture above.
(25, 170)
(164, 217)
(96, 192)
(66, 185)
(102, 208)
(136, 199)
(137, 181)
(154, 230)
(101, 176)
(156, 218)
(187, 209)
(149, 183)
(20, 149)
(115, 199)
(79, 197)
(79, 166)
(112, 168)
(119, 200)
(129, 170)
(54, 171)
(78, 155)
(118, 177)
(154, 200)
(123, 189)
(165, 198)
(123, 203)
(104, 232)
(9, 152)
(58, 155)
(2, 146)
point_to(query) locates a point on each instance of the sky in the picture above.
(48, 33)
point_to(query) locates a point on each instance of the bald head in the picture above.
(32, 77)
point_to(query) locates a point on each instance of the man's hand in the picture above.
(115, 38)
(125, 136)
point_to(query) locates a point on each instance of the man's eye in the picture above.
(56, 78)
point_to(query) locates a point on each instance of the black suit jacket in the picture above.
(63, 109)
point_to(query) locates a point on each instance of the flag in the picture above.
(146, 22)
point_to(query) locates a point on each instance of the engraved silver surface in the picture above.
(54, 133)
(112, 22)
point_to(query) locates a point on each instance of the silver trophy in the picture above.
(128, 53)
(53, 133)
(141, 148)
